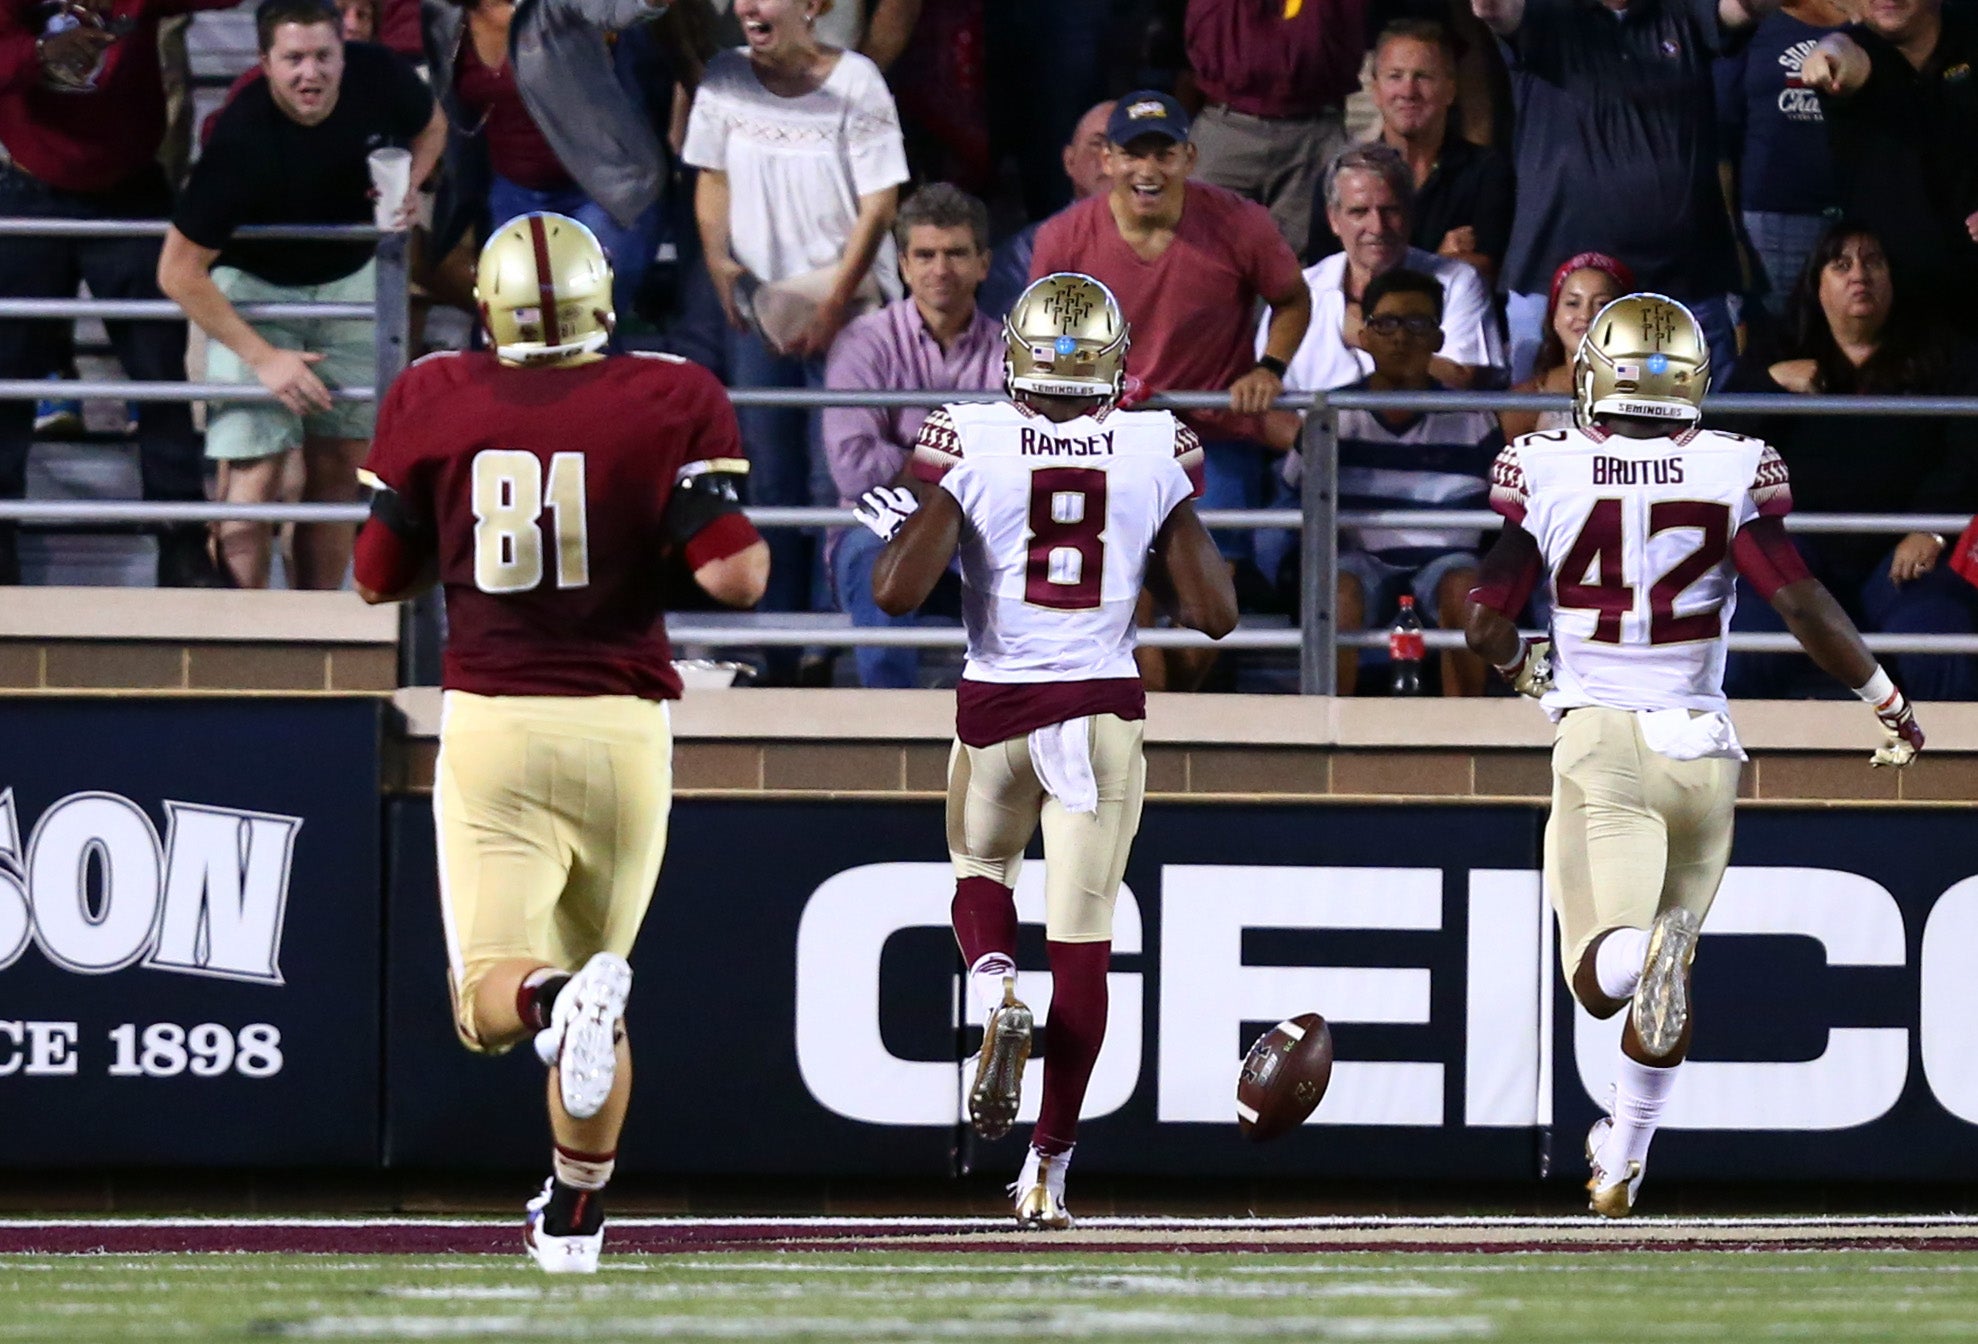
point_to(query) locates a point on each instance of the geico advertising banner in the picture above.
(189, 932)
(796, 1002)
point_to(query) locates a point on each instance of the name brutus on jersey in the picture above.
(1620, 471)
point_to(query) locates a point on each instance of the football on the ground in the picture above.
(1284, 1077)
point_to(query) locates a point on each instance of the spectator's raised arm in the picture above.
(1836, 67)
(1500, 16)
(1735, 14)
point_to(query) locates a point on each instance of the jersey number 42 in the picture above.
(1593, 576)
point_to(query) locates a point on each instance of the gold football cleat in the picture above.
(992, 1100)
(1609, 1201)
(1661, 1008)
(1616, 1200)
(1040, 1194)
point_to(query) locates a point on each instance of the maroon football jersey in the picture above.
(544, 488)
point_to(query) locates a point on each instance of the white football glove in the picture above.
(1530, 673)
(884, 507)
(1905, 735)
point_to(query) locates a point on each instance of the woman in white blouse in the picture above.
(800, 157)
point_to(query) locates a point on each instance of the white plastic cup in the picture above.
(391, 177)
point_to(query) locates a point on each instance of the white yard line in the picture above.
(1150, 1224)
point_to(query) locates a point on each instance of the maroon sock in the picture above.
(1072, 1037)
(984, 915)
(535, 997)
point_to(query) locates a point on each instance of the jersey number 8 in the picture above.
(1067, 556)
(508, 507)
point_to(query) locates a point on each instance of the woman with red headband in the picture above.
(1581, 287)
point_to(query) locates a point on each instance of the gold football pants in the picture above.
(996, 803)
(1632, 832)
(551, 817)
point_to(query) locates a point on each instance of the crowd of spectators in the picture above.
(1463, 183)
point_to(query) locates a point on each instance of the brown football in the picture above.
(1284, 1077)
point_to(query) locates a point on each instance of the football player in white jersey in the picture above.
(1062, 508)
(1642, 519)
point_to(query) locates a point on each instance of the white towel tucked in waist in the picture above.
(1062, 757)
(1683, 735)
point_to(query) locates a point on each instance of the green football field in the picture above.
(1043, 1294)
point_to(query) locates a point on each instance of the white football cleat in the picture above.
(1039, 1190)
(559, 1255)
(1610, 1198)
(586, 1022)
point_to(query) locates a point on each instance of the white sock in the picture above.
(1640, 1091)
(985, 982)
(1617, 964)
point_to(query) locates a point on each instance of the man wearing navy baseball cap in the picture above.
(1147, 112)
(1188, 262)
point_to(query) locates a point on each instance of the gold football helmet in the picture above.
(1644, 355)
(544, 288)
(1065, 337)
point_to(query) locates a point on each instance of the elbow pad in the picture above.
(703, 494)
(388, 508)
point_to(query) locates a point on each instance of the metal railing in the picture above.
(1315, 634)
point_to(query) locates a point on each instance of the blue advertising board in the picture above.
(190, 931)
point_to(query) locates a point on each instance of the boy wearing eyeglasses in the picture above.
(1409, 460)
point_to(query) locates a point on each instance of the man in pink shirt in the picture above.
(1188, 263)
(935, 338)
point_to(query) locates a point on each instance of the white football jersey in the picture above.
(1636, 535)
(1058, 522)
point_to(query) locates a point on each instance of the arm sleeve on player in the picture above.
(1507, 485)
(1188, 455)
(1510, 571)
(1771, 487)
(385, 560)
(938, 449)
(1764, 553)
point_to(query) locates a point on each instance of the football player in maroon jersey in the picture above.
(557, 494)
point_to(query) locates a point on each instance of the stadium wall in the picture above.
(219, 941)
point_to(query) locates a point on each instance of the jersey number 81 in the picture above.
(508, 507)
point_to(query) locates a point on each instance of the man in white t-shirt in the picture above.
(1369, 193)
(1644, 520)
(1061, 508)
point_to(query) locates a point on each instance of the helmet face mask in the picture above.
(1065, 337)
(1644, 355)
(543, 285)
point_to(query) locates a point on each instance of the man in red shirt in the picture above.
(1188, 262)
(558, 495)
(82, 113)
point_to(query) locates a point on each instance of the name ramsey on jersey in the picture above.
(1637, 535)
(1058, 521)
